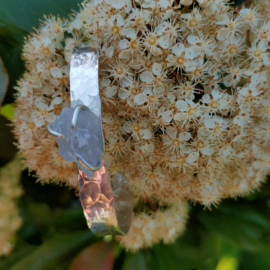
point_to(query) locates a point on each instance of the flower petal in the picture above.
(192, 52)
(130, 33)
(156, 69)
(186, 2)
(178, 49)
(181, 105)
(228, 80)
(147, 77)
(146, 134)
(110, 91)
(223, 33)
(125, 54)
(164, 42)
(216, 94)
(123, 94)
(206, 98)
(180, 117)
(160, 29)
(185, 136)
(209, 124)
(207, 151)
(193, 39)
(171, 133)
(192, 157)
(109, 52)
(140, 99)
(123, 44)
(167, 116)
(120, 20)
(56, 72)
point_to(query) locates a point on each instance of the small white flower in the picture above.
(206, 44)
(215, 127)
(232, 28)
(217, 103)
(139, 18)
(243, 118)
(258, 53)
(158, 80)
(184, 161)
(250, 16)
(186, 90)
(203, 146)
(263, 33)
(154, 40)
(137, 129)
(114, 27)
(119, 71)
(153, 177)
(234, 75)
(129, 47)
(231, 47)
(175, 140)
(248, 96)
(193, 20)
(183, 57)
(189, 111)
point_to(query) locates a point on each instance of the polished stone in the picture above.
(86, 140)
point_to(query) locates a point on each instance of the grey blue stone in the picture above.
(86, 140)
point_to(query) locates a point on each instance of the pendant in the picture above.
(107, 205)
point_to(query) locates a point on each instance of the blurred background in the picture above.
(43, 226)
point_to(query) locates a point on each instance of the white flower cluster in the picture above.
(185, 97)
(165, 226)
(10, 221)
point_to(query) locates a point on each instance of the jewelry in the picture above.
(78, 131)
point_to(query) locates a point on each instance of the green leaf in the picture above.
(98, 256)
(251, 261)
(25, 15)
(199, 252)
(57, 253)
(165, 257)
(41, 214)
(3, 81)
(11, 42)
(7, 262)
(7, 111)
(227, 262)
(240, 223)
(15, 66)
(70, 220)
(7, 148)
(135, 261)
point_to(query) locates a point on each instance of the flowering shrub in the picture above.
(9, 212)
(185, 102)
